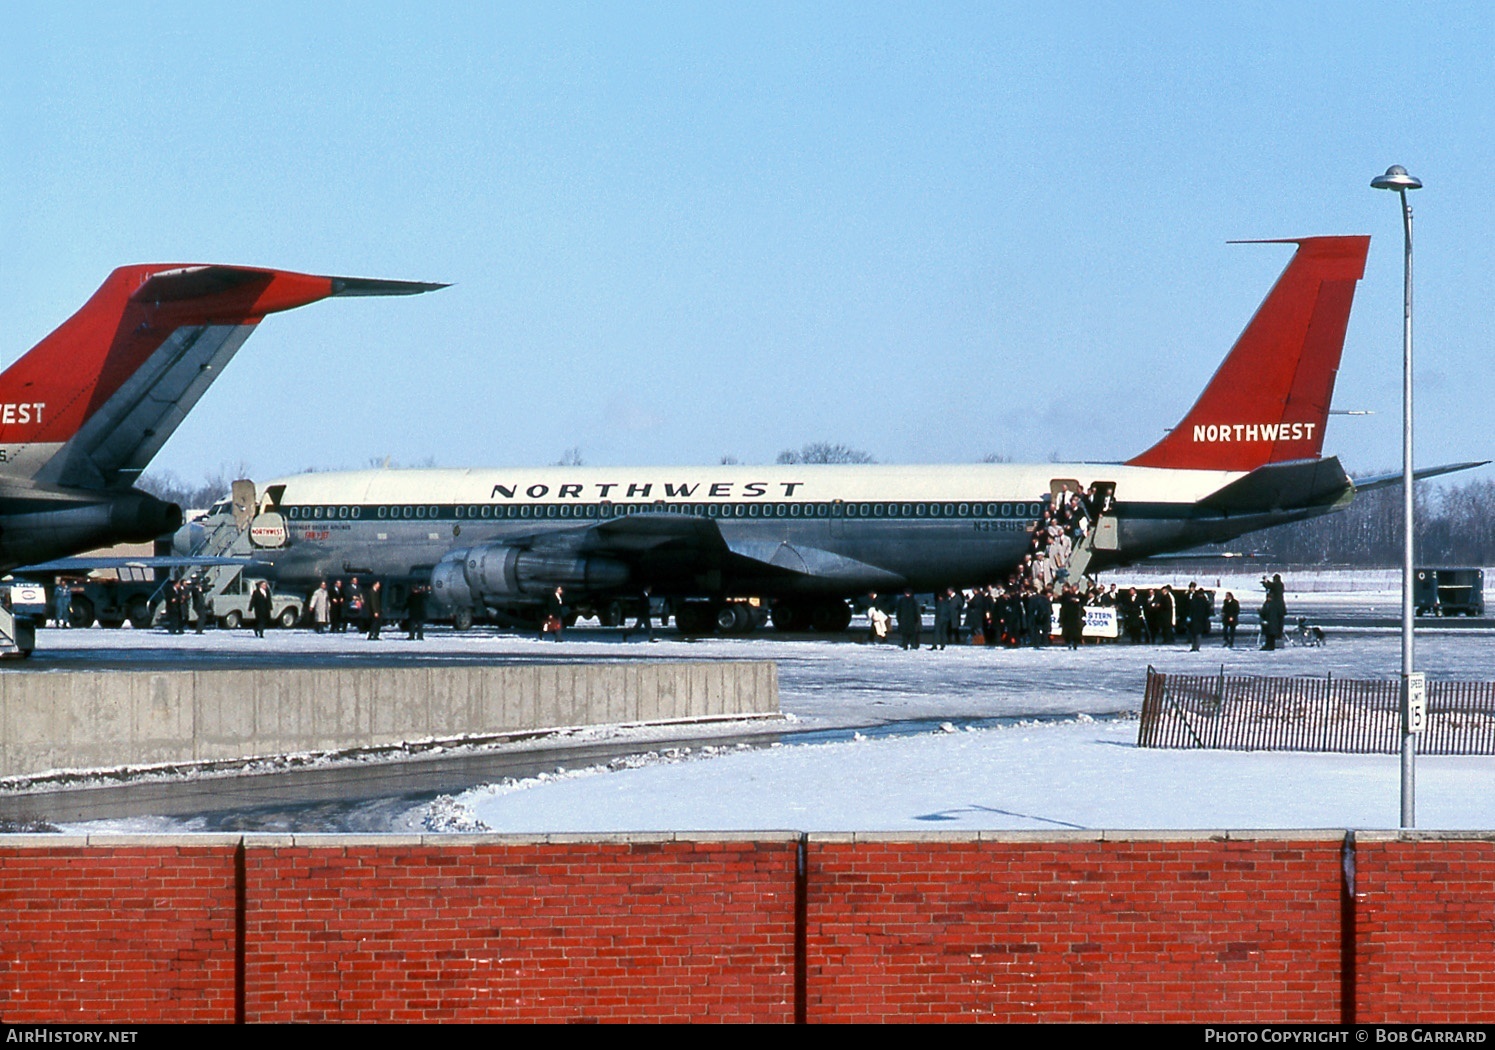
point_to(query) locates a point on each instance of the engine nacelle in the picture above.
(449, 588)
(80, 521)
(494, 574)
(138, 516)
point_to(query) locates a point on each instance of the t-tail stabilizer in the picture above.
(89, 405)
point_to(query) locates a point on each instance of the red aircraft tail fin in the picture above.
(91, 403)
(1268, 402)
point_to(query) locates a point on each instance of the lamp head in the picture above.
(1396, 178)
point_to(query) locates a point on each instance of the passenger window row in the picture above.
(464, 512)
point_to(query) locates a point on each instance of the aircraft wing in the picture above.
(637, 533)
(152, 562)
(701, 544)
(630, 534)
(798, 559)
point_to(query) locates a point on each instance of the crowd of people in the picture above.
(1055, 535)
(1021, 610)
(335, 607)
(1021, 613)
(1016, 613)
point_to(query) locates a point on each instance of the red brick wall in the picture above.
(608, 931)
(1074, 930)
(1076, 927)
(1425, 930)
(127, 933)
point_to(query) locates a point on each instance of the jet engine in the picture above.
(78, 521)
(138, 516)
(495, 574)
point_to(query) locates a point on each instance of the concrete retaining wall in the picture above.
(108, 719)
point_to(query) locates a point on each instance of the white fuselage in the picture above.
(843, 528)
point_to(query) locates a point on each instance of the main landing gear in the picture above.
(715, 617)
(825, 617)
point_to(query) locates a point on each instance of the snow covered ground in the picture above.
(1038, 739)
(1075, 774)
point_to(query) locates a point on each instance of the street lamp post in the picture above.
(1396, 178)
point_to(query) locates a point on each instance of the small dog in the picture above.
(1305, 635)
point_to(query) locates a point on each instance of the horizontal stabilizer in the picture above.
(1303, 483)
(202, 282)
(373, 286)
(1381, 481)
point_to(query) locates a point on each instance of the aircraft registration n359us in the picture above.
(1247, 456)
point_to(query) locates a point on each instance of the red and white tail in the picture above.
(91, 403)
(1268, 402)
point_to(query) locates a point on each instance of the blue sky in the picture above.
(678, 232)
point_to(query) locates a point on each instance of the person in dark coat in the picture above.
(1230, 616)
(176, 607)
(199, 603)
(944, 611)
(1071, 617)
(415, 612)
(1129, 607)
(644, 617)
(994, 614)
(335, 601)
(1014, 612)
(353, 606)
(1040, 615)
(1152, 629)
(553, 618)
(1273, 612)
(373, 609)
(260, 607)
(62, 605)
(978, 616)
(1199, 615)
(910, 619)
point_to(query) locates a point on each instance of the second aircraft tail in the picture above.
(89, 405)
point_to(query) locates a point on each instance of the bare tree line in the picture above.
(1455, 526)
(172, 487)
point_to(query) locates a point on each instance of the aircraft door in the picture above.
(1060, 489)
(244, 502)
(1107, 530)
